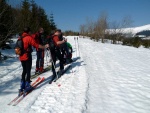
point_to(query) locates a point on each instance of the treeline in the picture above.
(98, 30)
(70, 33)
(103, 30)
(136, 42)
(28, 13)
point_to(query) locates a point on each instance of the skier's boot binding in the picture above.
(28, 87)
(60, 72)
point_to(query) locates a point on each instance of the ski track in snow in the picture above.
(69, 97)
(106, 79)
(116, 81)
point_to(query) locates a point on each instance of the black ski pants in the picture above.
(26, 65)
(56, 54)
(40, 59)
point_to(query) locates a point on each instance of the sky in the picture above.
(70, 14)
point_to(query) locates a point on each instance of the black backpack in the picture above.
(19, 47)
(51, 43)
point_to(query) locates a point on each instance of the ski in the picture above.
(37, 74)
(59, 75)
(73, 60)
(66, 69)
(24, 95)
(37, 80)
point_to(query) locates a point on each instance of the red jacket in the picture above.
(27, 41)
(56, 39)
(35, 37)
(38, 40)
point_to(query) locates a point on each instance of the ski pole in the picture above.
(75, 45)
(78, 47)
(75, 41)
(46, 58)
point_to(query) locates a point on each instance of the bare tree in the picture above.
(115, 32)
(126, 21)
(117, 28)
(82, 29)
(100, 26)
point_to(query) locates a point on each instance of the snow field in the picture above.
(106, 79)
(66, 95)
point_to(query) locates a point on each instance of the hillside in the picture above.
(132, 30)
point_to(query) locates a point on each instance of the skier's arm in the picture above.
(61, 42)
(56, 40)
(36, 45)
(43, 47)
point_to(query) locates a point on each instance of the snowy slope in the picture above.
(132, 30)
(106, 79)
(135, 30)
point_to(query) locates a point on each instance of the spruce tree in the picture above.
(34, 22)
(43, 20)
(52, 23)
(6, 20)
(25, 13)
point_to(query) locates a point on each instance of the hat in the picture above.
(59, 30)
(26, 29)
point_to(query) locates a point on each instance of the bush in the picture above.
(137, 42)
(146, 43)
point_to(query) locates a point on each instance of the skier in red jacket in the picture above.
(57, 54)
(40, 39)
(26, 59)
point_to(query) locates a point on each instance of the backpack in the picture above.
(51, 43)
(19, 47)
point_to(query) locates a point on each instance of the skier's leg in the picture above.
(24, 72)
(41, 61)
(28, 87)
(28, 68)
(22, 82)
(60, 57)
(53, 56)
(37, 61)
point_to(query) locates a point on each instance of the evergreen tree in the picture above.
(43, 20)
(25, 14)
(52, 23)
(6, 20)
(34, 16)
(13, 20)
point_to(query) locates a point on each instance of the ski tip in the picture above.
(39, 78)
(43, 78)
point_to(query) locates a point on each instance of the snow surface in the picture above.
(106, 79)
(132, 30)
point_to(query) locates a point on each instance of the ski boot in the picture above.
(68, 59)
(28, 88)
(41, 70)
(37, 71)
(22, 87)
(60, 72)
